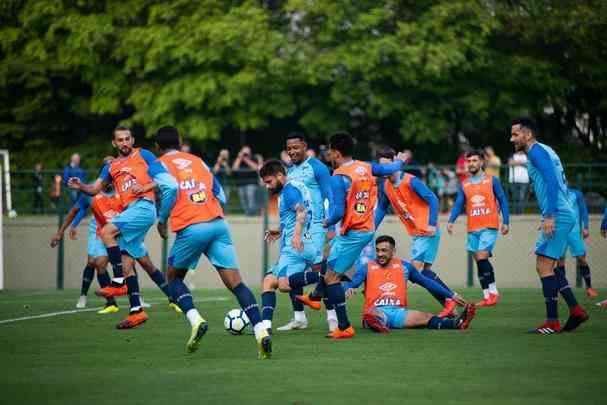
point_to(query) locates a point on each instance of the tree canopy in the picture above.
(416, 73)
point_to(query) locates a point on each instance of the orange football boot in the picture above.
(449, 309)
(133, 320)
(305, 299)
(112, 291)
(490, 301)
(591, 292)
(342, 334)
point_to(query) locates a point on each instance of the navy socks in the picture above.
(337, 298)
(485, 273)
(433, 276)
(268, 304)
(564, 287)
(585, 271)
(181, 295)
(132, 286)
(160, 281)
(87, 278)
(247, 302)
(115, 257)
(442, 323)
(550, 290)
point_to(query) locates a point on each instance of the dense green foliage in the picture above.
(416, 73)
(81, 358)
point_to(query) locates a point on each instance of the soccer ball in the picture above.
(236, 321)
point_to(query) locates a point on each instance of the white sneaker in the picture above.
(332, 324)
(293, 325)
(144, 304)
(81, 302)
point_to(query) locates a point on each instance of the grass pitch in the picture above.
(80, 358)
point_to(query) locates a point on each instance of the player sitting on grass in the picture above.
(298, 250)
(385, 281)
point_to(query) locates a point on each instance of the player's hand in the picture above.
(162, 230)
(450, 228)
(73, 233)
(55, 239)
(401, 156)
(459, 300)
(548, 227)
(585, 233)
(350, 293)
(74, 183)
(298, 244)
(604, 233)
(271, 235)
(137, 189)
(330, 236)
(505, 229)
(431, 230)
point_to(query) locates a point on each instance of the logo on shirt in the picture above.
(387, 287)
(360, 170)
(182, 163)
(477, 199)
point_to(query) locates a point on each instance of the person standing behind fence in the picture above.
(222, 170)
(247, 176)
(492, 162)
(38, 182)
(56, 191)
(73, 169)
(483, 196)
(518, 177)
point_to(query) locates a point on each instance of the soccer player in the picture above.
(132, 173)
(197, 218)
(417, 208)
(105, 206)
(483, 196)
(354, 200)
(298, 250)
(575, 241)
(316, 177)
(385, 280)
(549, 184)
(603, 303)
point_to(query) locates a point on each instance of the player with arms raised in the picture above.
(550, 187)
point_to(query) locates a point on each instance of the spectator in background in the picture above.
(222, 170)
(461, 170)
(185, 147)
(311, 153)
(285, 159)
(323, 156)
(437, 183)
(492, 162)
(451, 186)
(38, 182)
(412, 166)
(518, 177)
(73, 169)
(56, 191)
(247, 167)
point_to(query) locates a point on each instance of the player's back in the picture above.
(196, 201)
(291, 193)
(305, 173)
(563, 202)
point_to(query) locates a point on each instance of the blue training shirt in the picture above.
(498, 191)
(317, 179)
(580, 209)
(549, 182)
(410, 274)
(604, 221)
(340, 185)
(292, 195)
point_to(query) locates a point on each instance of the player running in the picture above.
(417, 208)
(196, 216)
(316, 177)
(385, 280)
(131, 174)
(575, 241)
(298, 250)
(483, 197)
(354, 200)
(550, 187)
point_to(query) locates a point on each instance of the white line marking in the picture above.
(77, 311)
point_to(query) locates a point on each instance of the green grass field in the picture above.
(80, 358)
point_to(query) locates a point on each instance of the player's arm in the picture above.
(94, 188)
(498, 191)
(167, 185)
(429, 284)
(300, 220)
(338, 208)
(71, 214)
(427, 195)
(358, 278)
(383, 203)
(218, 191)
(604, 224)
(540, 158)
(386, 169)
(457, 209)
(583, 209)
(323, 177)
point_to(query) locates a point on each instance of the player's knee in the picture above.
(283, 285)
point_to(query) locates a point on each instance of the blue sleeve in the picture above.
(323, 177)
(582, 207)
(386, 169)
(292, 197)
(604, 221)
(148, 156)
(427, 195)
(383, 203)
(167, 186)
(105, 174)
(218, 191)
(83, 203)
(458, 207)
(429, 284)
(501, 199)
(540, 158)
(359, 277)
(66, 174)
(338, 208)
